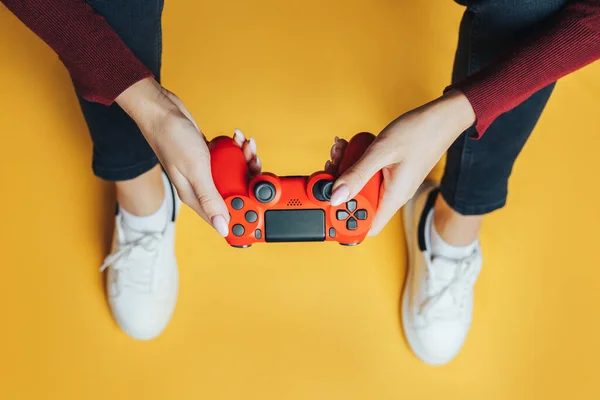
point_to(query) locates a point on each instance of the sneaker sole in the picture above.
(409, 333)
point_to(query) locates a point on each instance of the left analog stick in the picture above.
(264, 191)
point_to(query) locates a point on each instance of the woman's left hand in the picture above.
(406, 151)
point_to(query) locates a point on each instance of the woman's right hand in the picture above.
(182, 148)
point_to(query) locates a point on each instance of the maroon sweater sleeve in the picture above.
(101, 65)
(566, 43)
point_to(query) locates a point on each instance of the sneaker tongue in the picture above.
(131, 235)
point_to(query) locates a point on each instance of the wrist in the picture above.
(455, 110)
(145, 102)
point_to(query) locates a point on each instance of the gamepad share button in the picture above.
(251, 216)
(341, 215)
(264, 191)
(332, 232)
(238, 230)
(237, 203)
(361, 214)
(351, 205)
(351, 224)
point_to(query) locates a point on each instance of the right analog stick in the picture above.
(264, 191)
(322, 189)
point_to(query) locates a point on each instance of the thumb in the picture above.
(352, 181)
(210, 204)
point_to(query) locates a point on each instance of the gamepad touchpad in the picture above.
(294, 225)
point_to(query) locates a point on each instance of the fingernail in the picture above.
(337, 139)
(239, 136)
(219, 223)
(374, 232)
(340, 195)
(258, 162)
(327, 165)
(253, 145)
(332, 152)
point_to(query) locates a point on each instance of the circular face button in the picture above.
(264, 191)
(237, 203)
(238, 230)
(251, 216)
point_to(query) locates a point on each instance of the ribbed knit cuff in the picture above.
(100, 64)
(567, 43)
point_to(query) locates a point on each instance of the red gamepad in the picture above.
(270, 208)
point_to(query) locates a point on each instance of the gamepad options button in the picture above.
(264, 191)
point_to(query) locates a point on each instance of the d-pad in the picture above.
(351, 215)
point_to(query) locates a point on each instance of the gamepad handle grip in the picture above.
(229, 167)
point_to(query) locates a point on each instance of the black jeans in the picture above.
(120, 150)
(475, 180)
(477, 171)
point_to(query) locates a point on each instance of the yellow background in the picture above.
(295, 321)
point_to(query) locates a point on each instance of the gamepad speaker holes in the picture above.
(294, 203)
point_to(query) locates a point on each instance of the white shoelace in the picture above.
(459, 288)
(138, 272)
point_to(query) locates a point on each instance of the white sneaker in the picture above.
(437, 303)
(142, 280)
